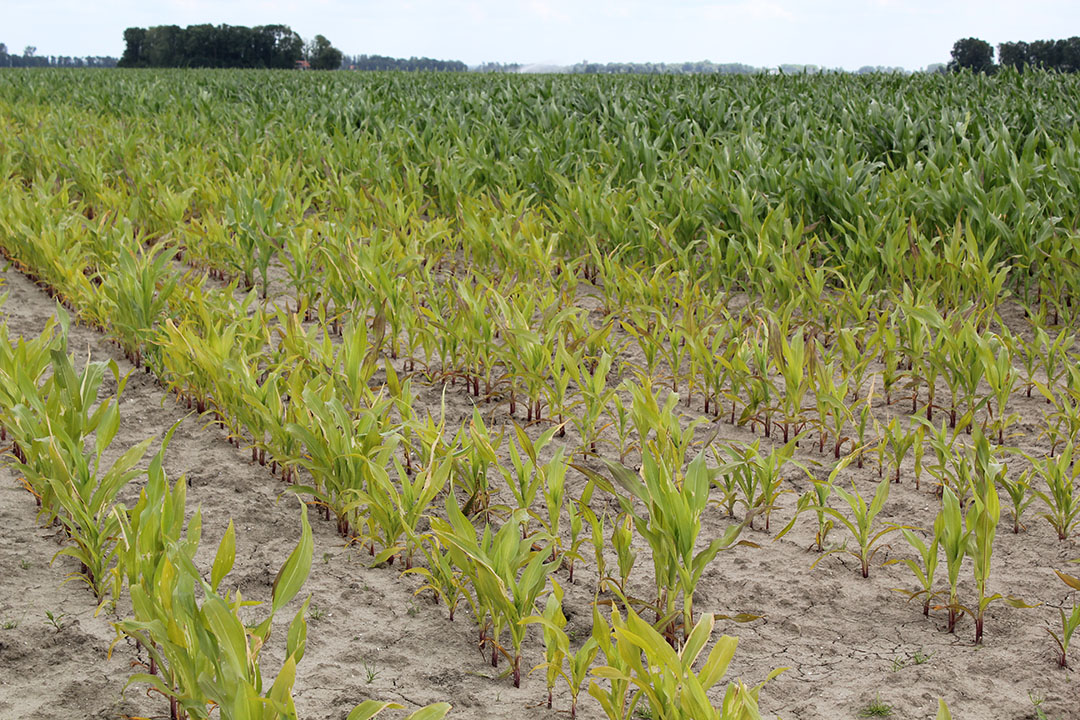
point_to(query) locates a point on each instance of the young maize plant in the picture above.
(507, 573)
(854, 360)
(757, 476)
(953, 538)
(946, 469)
(886, 340)
(924, 572)
(898, 440)
(1062, 497)
(595, 397)
(52, 427)
(557, 650)
(674, 501)
(996, 354)
(1069, 623)
(796, 364)
(817, 500)
(833, 412)
(204, 656)
(440, 575)
(23, 365)
(576, 514)
(254, 229)
(866, 534)
(982, 519)
(479, 452)
(137, 292)
(394, 509)
(342, 452)
(622, 539)
(527, 475)
(666, 680)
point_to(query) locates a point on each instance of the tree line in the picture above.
(30, 58)
(413, 64)
(978, 55)
(225, 46)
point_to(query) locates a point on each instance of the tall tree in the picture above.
(1013, 54)
(322, 55)
(974, 54)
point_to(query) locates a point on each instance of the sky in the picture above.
(829, 33)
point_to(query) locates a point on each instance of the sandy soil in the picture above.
(847, 641)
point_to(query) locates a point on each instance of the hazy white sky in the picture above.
(830, 33)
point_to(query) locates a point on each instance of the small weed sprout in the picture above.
(370, 673)
(876, 708)
(56, 620)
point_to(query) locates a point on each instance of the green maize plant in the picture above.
(1053, 355)
(929, 360)
(885, 339)
(674, 502)
(23, 365)
(147, 530)
(527, 475)
(737, 368)
(439, 574)
(666, 679)
(1069, 623)
(557, 388)
(953, 538)
(795, 362)
(137, 293)
(866, 534)
(577, 515)
(256, 229)
(478, 455)
(73, 485)
(554, 474)
(970, 367)
(557, 652)
(854, 360)
(301, 260)
(615, 699)
(817, 500)
(396, 508)
(862, 421)
(1019, 492)
(642, 329)
(923, 570)
(1061, 499)
(622, 536)
(832, 408)
(659, 429)
(506, 572)
(982, 519)
(996, 354)
(596, 539)
(898, 440)
(204, 654)
(758, 476)
(623, 426)
(596, 396)
(341, 452)
(726, 482)
(946, 469)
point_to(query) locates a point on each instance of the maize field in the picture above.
(503, 396)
